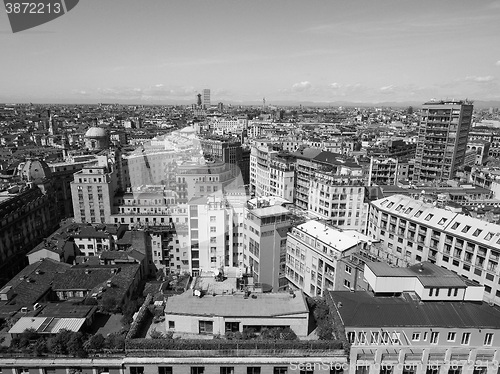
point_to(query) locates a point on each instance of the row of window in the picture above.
(225, 370)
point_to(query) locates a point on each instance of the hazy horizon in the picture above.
(164, 52)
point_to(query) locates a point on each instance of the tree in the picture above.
(95, 343)
(115, 341)
(155, 334)
(110, 305)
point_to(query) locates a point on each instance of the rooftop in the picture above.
(427, 273)
(263, 305)
(362, 309)
(336, 238)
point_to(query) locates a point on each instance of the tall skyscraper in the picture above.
(442, 140)
(206, 98)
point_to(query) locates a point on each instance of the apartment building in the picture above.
(414, 230)
(93, 189)
(389, 171)
(432, 323)
(271, 173)
(27, 216)
(266, 226)
(311, 160)
(312, 253)
(442, 140)
(339, 199)
(213, 221)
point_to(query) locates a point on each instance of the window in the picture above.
(418, 213)
(455, 225)
(466, 228)
(280, 370)
(212, 218)
(432, 369)
(429, 217)
(171, 324)
(348, 269)
(451, 336)
(477, 232)
(253, 370)
(488, 338)
(197, 369)
(227, 370)
(165, 370)
(465, 338)
(434, 337)
(409, 369)
(442, 221)
(431, 290)
(307, 372)
(347, 283)
(415, 336)
(206, 327)
(137, 370)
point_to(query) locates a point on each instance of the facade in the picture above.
(442, 140)
(93, 189)
(264, 244)
(389, 171)
(206, 98)
(338, 199)
(313, 250)
(27, 216)
(481, 149)
(271, 174)
(413, 231)
(206, 311)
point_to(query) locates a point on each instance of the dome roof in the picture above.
(35, 171)
(96, 132)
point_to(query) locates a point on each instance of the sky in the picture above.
(166, 51)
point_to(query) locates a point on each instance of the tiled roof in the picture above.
(40, 275)
(362, 309)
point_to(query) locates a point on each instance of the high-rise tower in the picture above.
(206, 98)
(442, 140)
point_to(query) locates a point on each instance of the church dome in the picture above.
(35, 171)
(96, 132)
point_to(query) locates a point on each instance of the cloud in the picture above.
(387, 89)
(302, 86)
(334, 86)
(497, 63)
(473, 78)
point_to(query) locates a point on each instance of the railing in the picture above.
(270, 352)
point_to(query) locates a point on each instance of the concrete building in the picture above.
(206, 98)
(390, 171)
(442, 140)
(93, 189)
(271, 173)
(413, 231)
(338, 199)
(220, 307)
(312, 253)
(406, 325)
(27, 216)
(265, 231)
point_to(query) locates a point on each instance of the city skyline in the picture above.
(167, 52)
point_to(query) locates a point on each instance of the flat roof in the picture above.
(363, 309)
(264, 305)
(429, 275)
(339, 240)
